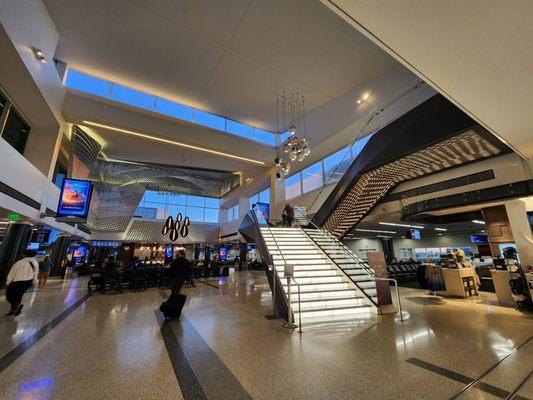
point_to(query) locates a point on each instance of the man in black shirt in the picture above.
(180, 270)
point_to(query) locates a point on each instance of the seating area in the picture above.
(117, 280)
(403, 270)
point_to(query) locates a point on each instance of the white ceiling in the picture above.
(478, 53)
(228, 57)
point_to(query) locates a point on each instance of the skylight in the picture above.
(123, 94)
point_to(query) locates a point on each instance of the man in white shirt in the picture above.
(21, 277)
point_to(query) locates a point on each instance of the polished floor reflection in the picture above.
(67, 346)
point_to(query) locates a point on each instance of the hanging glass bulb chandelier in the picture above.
(290, 111)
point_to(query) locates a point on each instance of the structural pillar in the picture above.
(523, 238)
(59, 255)
(277, 196)
(16, 238)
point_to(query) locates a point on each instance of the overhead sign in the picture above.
(41, 235)
(74, 199)
(13, 216)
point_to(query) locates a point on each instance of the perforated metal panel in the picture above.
(375, 184)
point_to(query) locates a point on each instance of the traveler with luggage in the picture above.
(21, 277)
(180, 271)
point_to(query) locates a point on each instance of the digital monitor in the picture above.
(264, 208)
(481, 239)
(530, 219)
(79, 254)
(413, 234)
(223, 253)
(41, 235)
(33, 246)
(74, 199)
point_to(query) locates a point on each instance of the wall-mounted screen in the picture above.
(481, 239)
(223, 253)
(413, 234)
(74, 199)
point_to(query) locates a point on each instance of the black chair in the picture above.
(96, 280)
(112, 281)
(138, 279)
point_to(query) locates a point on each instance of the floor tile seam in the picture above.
(14, 354)
(209, 352)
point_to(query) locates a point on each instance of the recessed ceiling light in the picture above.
(38, 53)
(477, 221)
(359, 101)
(374, 231)
(402, 225)
(173, 142)
(366, 96)
(441, 229)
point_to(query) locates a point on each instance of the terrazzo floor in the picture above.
(67, 346)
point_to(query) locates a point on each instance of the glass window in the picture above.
(87, 83)
(264, 196)
(254, 199)
(284, 136)
(174, 209)
(211, 215)
(16, 131)
(195, 201)
(211, 202)
(359, 145)
(173, 109)
(312, 177)
(209, 120)
(195, 213)
(265, 137)
(176, 198)
(331, 164)
(292, 186)
(146, 212)
(155, 197)
(233, 213)
(132, 97)
(240, 129)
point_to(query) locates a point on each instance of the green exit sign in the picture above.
(13, 217)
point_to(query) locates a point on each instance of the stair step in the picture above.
(333, 308)
(318, 287)
(326, 294)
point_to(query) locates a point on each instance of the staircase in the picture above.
(359, 272)
(326, 293)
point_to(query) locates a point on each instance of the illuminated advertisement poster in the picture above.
(169, 253)
(223, 253)
(265, 210)
(79, 254)
(74, 198)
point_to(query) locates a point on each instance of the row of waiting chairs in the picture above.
(402, 271)
(141, 278)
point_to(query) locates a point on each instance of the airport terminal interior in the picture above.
(266, 199)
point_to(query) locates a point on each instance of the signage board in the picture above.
(13, 217)
(288, 271)
(41, 235)
(223, 253)
(377, 261)
(74, 199)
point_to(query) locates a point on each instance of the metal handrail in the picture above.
(366, 122)
(370, 271)
(397, 293)
(274, 271)
(291, 321)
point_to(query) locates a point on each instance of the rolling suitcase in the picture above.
(172, 307)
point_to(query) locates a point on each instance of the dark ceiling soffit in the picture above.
(464, 180)
(429, 123)
(448, 218)
(502, 192)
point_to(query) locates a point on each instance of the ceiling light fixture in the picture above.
(38, 53)
(162, 140)
(441, 229)
(373, 230)
(477, 221)
(402, 225)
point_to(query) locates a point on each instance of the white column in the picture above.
(277, 196)
(517, 215)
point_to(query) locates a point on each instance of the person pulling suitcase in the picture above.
(180, 270)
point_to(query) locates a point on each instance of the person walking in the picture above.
(21, 277)
(288, 215)
(180, 271)
(45, 267)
